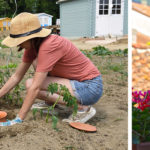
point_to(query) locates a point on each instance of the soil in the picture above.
(113, 43)
(111, 119)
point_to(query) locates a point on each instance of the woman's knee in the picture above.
(28, 83)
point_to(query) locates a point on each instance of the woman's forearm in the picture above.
(10, 84)
(29, 100)
(32, 93)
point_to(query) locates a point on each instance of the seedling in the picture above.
(34, 111)
(87, 53)
(70, 148)
(5, 73)
(67, 98)
(101, 51)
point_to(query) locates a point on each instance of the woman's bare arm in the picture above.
(32, 93)
(15, 78)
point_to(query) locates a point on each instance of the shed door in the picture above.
(109, 17)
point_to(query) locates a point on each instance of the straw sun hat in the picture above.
(23, 27)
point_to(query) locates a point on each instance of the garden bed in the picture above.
(111, 118)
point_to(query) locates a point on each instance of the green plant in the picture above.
(2, 46)
(140, 125)
(101, 51)
(2, 55)
(123, 77)
(19, 55)
(125, 51)
(67, 98)
(140, 117)
(120, 52)
(5, 71)
(13, 97)
(87, 53)
(70, 148)
(116, 67)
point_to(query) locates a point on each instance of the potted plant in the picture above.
(141, 120)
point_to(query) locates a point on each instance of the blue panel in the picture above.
(136, 1)
(148, 2)
(125, 19)
(77, 17)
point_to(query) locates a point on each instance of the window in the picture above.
(9, 24)
(116, 6)
(4, 28)
(103, 7)
(4, 24)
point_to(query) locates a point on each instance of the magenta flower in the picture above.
(142, 99)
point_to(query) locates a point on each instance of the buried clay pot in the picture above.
(83, 126)
(141, 146)
(3, 116)
(134, 146)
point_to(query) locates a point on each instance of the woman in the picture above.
(55, 59)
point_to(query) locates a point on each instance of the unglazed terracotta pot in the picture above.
(3, 116)
(134, 147)
(141, 146)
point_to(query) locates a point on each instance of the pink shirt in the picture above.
(61, 58)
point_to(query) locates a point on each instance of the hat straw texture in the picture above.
(20, 26)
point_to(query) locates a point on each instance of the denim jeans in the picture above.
(88, 92)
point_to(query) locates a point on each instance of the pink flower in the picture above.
(141, 98)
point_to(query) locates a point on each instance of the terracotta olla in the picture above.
(141, 146)
(83, 126)
(134, 147)
(3, 116)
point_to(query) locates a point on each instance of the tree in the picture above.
(7, 7)
(49, 7)
(4, 8)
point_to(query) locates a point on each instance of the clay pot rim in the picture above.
(3, 114)
(83, 126)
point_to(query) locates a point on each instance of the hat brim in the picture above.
(12, 42)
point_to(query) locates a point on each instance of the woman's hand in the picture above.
(11, 122)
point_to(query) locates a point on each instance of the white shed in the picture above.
(45, 19)
(110, 17)
(90, 18)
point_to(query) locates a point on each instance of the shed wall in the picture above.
(45, 20)
(77, 18)
(125, 19)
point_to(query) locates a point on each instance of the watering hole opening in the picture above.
(11, 115)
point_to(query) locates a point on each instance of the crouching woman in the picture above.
(56, 60)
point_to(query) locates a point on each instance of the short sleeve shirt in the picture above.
(61, 58)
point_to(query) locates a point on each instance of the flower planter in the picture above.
(134, 147)
(3, 116)
(141, 146)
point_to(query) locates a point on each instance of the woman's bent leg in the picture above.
(45, 95)
(84, 112)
